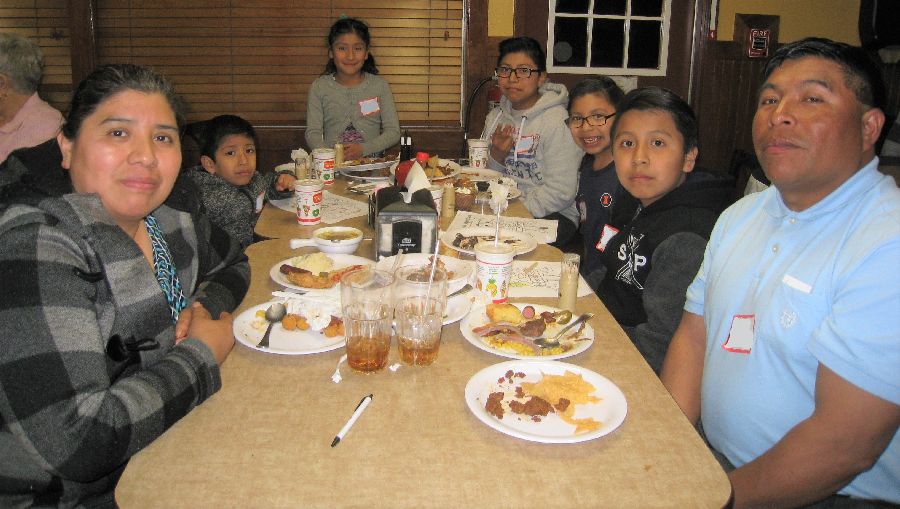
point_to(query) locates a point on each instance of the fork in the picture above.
(554, 342)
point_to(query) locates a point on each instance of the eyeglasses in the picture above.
(596, 120)
(521, 72)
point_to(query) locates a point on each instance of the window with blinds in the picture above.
(46, 22)
(258, 58)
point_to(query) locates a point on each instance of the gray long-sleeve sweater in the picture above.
(331, 107)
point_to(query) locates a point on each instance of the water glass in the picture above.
(367, 314)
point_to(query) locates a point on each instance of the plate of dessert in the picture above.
(546, 401)
(316, 273)
(509, 330)
(309, 327)
(438, 169)
(464, 240)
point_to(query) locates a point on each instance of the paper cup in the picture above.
(308, 195)
(323, 160)
(493, 269)
(478, 153)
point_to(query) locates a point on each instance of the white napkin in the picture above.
(415, 180)
(298, 154)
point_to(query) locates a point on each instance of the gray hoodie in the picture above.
(545, 161)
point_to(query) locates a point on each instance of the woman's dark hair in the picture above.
(351, 26)
(862, 75)
(597, 85)
(209, 134)
(525, 45)
(661, 99)
(107, 81)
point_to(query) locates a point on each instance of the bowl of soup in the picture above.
(337, 239)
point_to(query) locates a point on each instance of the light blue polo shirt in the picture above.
(821, 286)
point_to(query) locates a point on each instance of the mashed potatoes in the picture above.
(313, 262)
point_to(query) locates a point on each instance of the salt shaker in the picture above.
(448, 203)
(568, 281)
(338, 155)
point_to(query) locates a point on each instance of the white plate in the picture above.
(522, 241)
(365, 167)
(458, 307)
(610, 411)
(477, 317)
(454, 169)
(284, 342)
(462, 269)
(286, 167)
(480, 174)
(340, 261)
(366, 178)
(513, 193)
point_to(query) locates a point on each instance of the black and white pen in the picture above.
(356, 413)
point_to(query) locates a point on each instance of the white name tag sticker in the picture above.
(369, 106)
(740, 337)
(260, 200)
(526, 144)
(796, 284)
(607, 233)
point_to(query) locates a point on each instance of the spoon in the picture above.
(551, 343)
(274, 314)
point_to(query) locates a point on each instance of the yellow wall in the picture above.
(834, 19)
(500, 18)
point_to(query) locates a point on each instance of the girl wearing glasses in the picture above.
(529, 139)
(592, 107)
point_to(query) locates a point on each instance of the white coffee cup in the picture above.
(478, 153)
(493, 269)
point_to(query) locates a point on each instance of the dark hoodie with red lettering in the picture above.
(655, 255)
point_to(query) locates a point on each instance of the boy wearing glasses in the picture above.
(529, 139)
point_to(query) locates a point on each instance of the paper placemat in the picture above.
(539, 279)
(335, 208)
(543, 230)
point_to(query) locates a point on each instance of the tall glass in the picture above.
(367, 313)
(419, 320)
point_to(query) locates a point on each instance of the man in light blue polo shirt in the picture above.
(789, 347)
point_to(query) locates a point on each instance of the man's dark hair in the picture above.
(862, 74)
(525, 45)
(603, 86)
(661, 99)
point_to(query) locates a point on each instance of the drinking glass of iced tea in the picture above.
(419, 320)
(367, 314)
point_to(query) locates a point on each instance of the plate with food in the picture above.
(307, 328)
(546, 401)
(509, 330)
(479, 174)
(378, 175)
(366, 164)
(316, 272)
(464, 240)
(438, 169)
(459, 272)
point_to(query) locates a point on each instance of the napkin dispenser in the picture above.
(412, 227)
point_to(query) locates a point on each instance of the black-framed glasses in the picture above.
(521, 72)
(596, 120)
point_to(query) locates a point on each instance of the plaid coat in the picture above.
(89, 369)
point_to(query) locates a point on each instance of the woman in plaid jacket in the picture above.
(116, 292)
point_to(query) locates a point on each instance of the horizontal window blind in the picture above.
(45, 22)
(258, 58)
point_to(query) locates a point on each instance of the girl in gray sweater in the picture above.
(350, 103)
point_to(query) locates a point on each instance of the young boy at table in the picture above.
(529, 139)
(231, 189)
(654, 242)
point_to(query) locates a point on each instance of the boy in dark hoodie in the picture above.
(654, 243)
(232, 191)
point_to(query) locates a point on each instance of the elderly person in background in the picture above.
(114, 314)
(25, 119)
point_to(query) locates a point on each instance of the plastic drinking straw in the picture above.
(434, 260)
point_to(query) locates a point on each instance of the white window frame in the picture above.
(613, 71)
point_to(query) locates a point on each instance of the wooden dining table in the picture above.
(264, 440)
